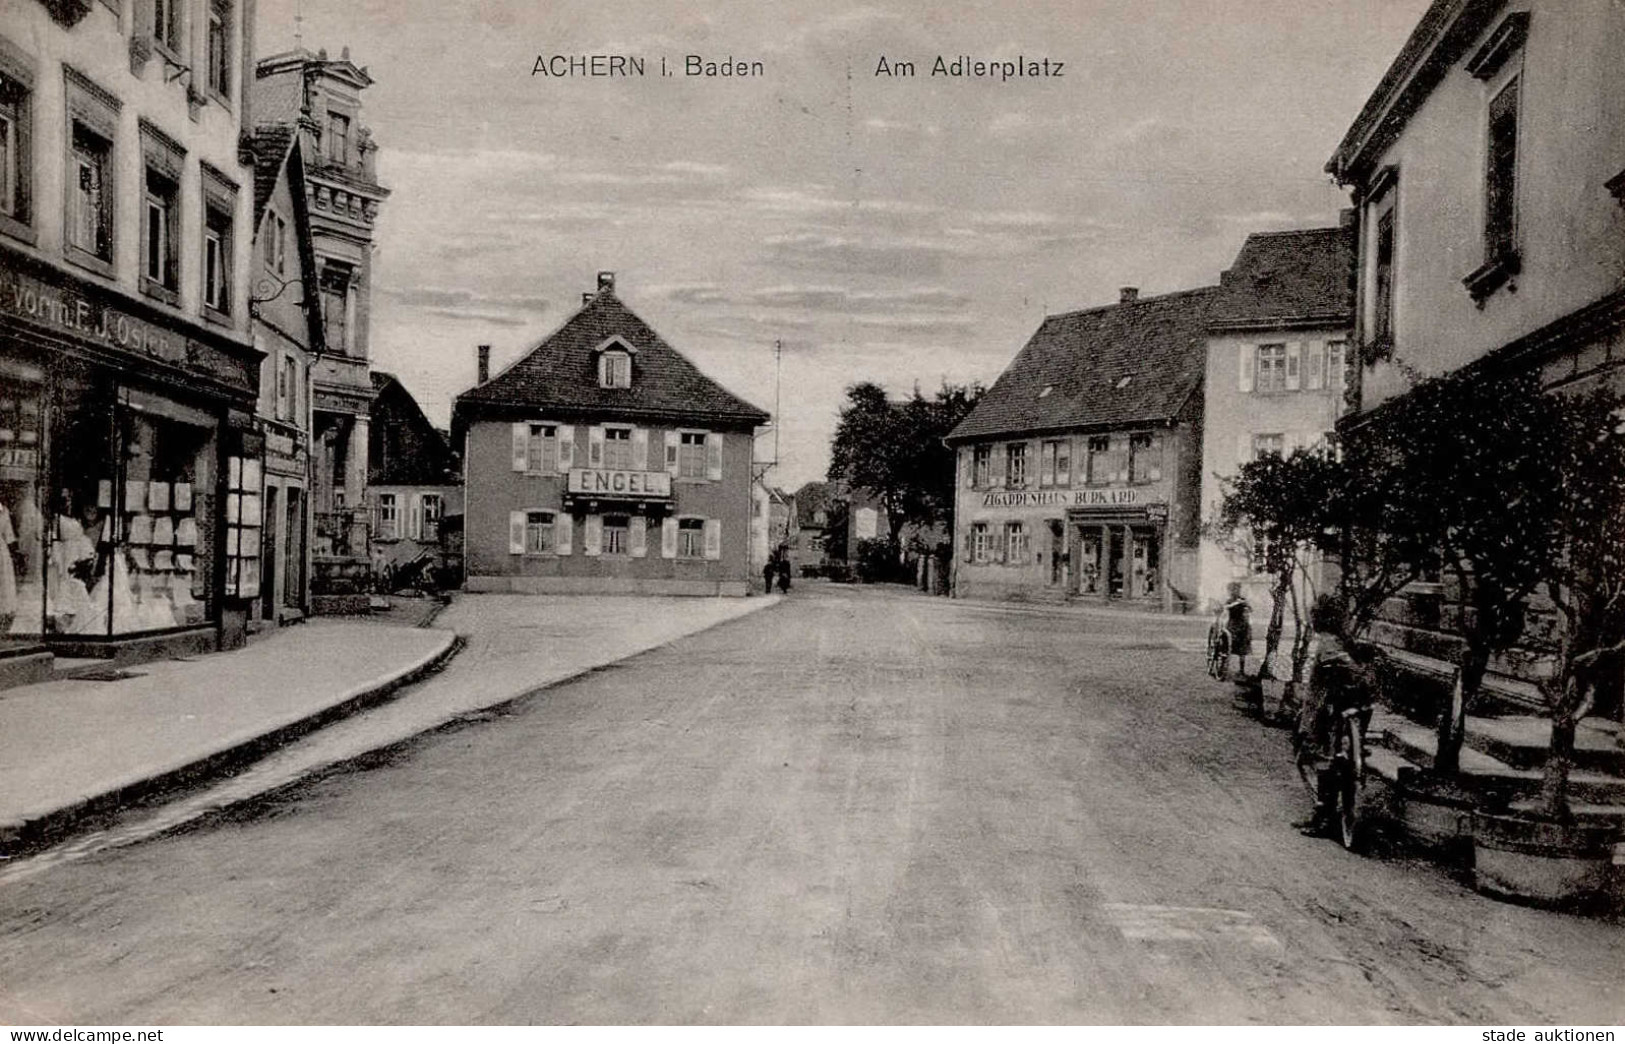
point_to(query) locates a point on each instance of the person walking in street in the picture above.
(784, 573)
(1238, 621)
(769, 569)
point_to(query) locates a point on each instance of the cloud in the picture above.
(456, 302)
(839, 253)
(462, 315)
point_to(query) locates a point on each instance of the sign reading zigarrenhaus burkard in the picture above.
(1116, 497)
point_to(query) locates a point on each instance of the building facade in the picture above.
(414, 481)
(604, 461)
(288, 332)
(1275, 380)
(319, 99)
(129, 486)
(1078, 472)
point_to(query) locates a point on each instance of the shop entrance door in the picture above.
(1088, 561)
(1147, 563)
(269, 575)
(293, 552)
(1114, 563)
(1057, 552)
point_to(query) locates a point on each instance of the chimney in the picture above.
(606, 281)
(1128, 295)
(1225, 277)
(485, 363)
(587, 296)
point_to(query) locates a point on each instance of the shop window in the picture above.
(617, 531)
(1017, 543)
(335, 295)
(543, 449)
(243, 527)
(691, 538)
(15, 166)
(618, 449)
(338, 138)
(980, 545)
(159, 270)
(1270, 368)
(90, 195)
(691, 454)
(539, 533)
(389, 518)
(219, 48)
(22, 523)
(1145, 457)
(1015, 464)
(982, 466)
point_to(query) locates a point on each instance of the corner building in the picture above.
(603, 461)
(1079, 470)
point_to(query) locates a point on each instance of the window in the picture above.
(1382, 324)
(1055, 463)
(1334, 364)
(618, 449)
(691, 454)
(90, 197)
(1099, 460)
(617, 530)
(338, 138)
(14, 143)
(287, 389)
(1015, 464)
(217, 262)
(543, 448)
(1271, 368)
(1144, 457)
(158, 234)
(429, 518)
(276, 242)
(980, 548)
(389, 519)
(539, 533)
(615, 370)
(335, 294)
(1501, 176)
(166, 24)
(691, 538)
(219, 47)
(982, 466)
(1016, 543)
(1265, 445)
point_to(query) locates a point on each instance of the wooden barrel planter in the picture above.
(1543, 861)
(1435, 816)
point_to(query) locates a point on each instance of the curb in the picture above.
(33, 835)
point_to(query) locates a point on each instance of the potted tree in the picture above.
(1541, 850)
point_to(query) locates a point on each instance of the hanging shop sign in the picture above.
(602, 482)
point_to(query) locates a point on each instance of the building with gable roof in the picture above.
(604, 461)
(413, 478)
(1079, 469)
(1276, 376)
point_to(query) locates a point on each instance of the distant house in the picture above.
(809, 525)
(1079, 470)
(605, 461)
(414, 478)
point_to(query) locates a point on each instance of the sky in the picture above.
(907, 231)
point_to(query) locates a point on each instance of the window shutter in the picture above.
(595, 447)
(1120, 455)
(562, 526)
(668, 538)
(1046, 465)
(521, 446)
(713, 456)
(1314, 366)
(970, 545)
(671, 455)
(713, 539)
(638, 534)
(592, 542)
(1154, 473)
(516, 532)
(567, 446)
(414, 516)
(640, 449)
(967, 460)
(1244, 448)
(1244, 366)
(1294, 355)
(996, 464)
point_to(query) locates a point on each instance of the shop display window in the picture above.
(244, 519)
(22, 522)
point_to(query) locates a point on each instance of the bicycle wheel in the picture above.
(1347, 812)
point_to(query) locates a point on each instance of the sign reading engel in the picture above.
(1117, 497)
(602, 482)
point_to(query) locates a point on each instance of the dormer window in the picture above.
(615, 370)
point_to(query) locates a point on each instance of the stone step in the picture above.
(1523, 742)
(1486, 773)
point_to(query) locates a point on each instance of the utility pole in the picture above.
(778, 420)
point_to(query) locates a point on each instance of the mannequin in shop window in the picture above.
(75, 562)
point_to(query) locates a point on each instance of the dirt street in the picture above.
(859, 806)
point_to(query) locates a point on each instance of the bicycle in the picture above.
(1218, 649)
(1338, 783)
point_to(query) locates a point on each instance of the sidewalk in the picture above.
(515, 645)
(78, 747)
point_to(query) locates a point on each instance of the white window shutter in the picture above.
(592, 541)
(1294, 374)
(638, 534)
(563, 524)
(970, 546)
(967, 456)
(996, 464)
(1121, 449)
(1244, 447)
(640, 449)
(595, 447)
(1046, 465)
(516, 532)
(567, 446)
(668, 538)
(713, 455)
(713, 539)
(521, 446)
(414, 516)
(1314, 365)
(671, 455)
(1244, 367)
